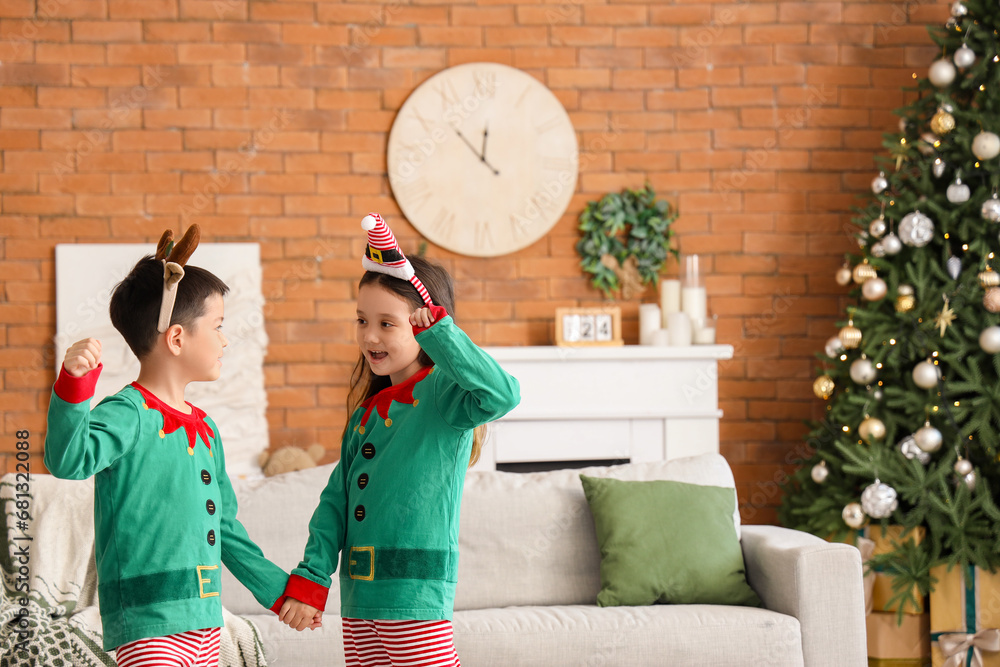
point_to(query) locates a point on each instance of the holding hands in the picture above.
(82, 357)
(299, 616)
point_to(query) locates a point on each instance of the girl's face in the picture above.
(385, 335)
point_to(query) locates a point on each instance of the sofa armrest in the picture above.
(818, 583)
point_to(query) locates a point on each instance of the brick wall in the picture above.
(759, 120)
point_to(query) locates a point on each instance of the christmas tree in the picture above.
(911, 381)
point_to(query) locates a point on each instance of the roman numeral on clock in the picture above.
(415, 193)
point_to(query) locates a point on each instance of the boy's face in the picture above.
(202, 356)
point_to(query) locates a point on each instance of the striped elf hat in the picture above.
(383, 255)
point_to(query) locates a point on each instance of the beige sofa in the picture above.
(529, 576)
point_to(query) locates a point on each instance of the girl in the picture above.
(419, 393)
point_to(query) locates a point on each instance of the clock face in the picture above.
(482, 159)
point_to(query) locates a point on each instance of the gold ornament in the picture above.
(823, 387)
(942, 122)
(863, 272)
(843, 276)
(989, 278)
(850, 335)
(905, 301)
(945, 317)
(991, 300)
(871, 429)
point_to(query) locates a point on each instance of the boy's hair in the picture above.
(135, 302)
(364, 383)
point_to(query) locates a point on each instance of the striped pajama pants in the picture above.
(196, 648)
(399, 643)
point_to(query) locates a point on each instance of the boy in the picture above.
(164, 509)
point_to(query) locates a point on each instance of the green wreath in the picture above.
(619, 227)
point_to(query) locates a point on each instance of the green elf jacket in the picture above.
(391, 506)
(164, 510)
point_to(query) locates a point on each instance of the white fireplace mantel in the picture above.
(635, 402)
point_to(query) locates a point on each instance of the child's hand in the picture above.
(422, 317)
(83, 357)
(299, 616)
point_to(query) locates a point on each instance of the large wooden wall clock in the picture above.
(482, 159)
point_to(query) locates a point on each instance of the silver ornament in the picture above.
(833, 347)
(928, 438)
(958, 192)
(820, 472)
(954, 267)
(880, 183)
(843, 276)
(891, 244)
(926, 375)
(916, 229)
(862, 238)
(863, 371)
(963, 466)
(986, 145)
(958, 9)
(853, 515)
(970, 480)
(878, 250)
(877, 227)
(941, 73)
(871, 428)
(964, 57)
(938, 167)
(989, 339)
(874, 289)
(908, 447)
(991, 209)
(878, 500)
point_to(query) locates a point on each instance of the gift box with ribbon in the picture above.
(887, 540)
(888, 640)
(965, 617)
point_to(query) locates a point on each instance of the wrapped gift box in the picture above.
(965, 609)
(887, 540)
(888, 640)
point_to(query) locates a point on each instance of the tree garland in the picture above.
(625, 240)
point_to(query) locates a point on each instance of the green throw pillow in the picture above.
(667, 542)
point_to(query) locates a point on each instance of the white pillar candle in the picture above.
(649, 321)
(694, 302)
(661, 337)
(679, 329)
(705, 336)
(670, 297)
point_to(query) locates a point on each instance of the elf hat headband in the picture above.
(383, 255)
(174, 256)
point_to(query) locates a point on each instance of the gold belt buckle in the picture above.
(202, 581)
(376, 255)
(371, 563)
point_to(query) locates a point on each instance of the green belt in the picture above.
(371, 563)
(203, 581)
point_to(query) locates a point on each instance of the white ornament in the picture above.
(833, 347)
(871, 429)
(954, 267)
(970, 480)
(941, 73)
(926, 375)
(991, 209)
(964, 57)
(963, 466)
(820, 472)
(938, 167)
(916, 229)
(853, 515)
(958, 9)
(874, 289)
(879, 500)
(986, 145)
(880, 183)
(843, 276)
(958, 192)
(891, 244)
(878, 250)
(928, 438)
(863, 371)
(908, 447)
(989, 339)
(877, 227)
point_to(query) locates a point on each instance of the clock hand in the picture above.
(476, 153)
(486, 131)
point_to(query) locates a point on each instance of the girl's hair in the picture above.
(364, 383)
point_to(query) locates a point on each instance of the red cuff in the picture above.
(76, 389)
(303, 590)
(438, 313)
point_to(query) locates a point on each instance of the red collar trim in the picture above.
(194, 424)
(400, 393)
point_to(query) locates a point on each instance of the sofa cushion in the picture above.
(668, 542)
(528, 538)
(570, 636)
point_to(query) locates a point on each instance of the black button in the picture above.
(363, 480)
(210, 506)
(359, 512)
(205, 477)
(368, 450)
(211, 538)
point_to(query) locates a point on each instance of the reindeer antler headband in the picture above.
(174, 256)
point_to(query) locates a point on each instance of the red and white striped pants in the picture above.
(196, 648)
(399, 643)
